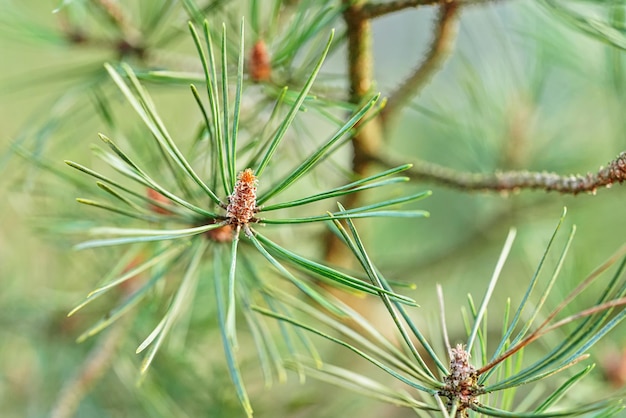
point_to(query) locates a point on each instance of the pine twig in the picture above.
(440, 48)
(374, 10)
(510, 181)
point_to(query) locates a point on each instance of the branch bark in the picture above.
(511, 181)
(374, 10)
(367, 141)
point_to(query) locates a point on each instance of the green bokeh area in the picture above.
(523, 90)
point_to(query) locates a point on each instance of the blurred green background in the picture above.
(523, 90)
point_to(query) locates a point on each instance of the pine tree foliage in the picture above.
(217, 208)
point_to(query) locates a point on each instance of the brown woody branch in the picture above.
(367, 140)
(510, 181)
(374, 10)
(440, 48)
(360, 67)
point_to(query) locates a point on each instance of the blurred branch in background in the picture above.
(444, 36)
(93, 368)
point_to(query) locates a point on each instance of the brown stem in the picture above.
(100, 356)
(582, 314)
(511, 181)
(440, 48)
(367, 140)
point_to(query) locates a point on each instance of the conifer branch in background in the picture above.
(92, 370)
(198, 196)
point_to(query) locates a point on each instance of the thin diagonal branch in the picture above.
(440, 49)
(544, 328)
(374, 10)
(613, 173)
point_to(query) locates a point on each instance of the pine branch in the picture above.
(367, 140)
(374, 10)
(614, 172)
(360, 68)
(440, 48)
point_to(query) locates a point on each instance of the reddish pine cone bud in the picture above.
(462, 376)
(242, 202)
(462, 383)
(259, 68)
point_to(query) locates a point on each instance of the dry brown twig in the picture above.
(374, 10)
(513, 181)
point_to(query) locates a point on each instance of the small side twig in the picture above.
(512, 181)
(440, 48)
(544, 328)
